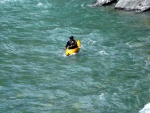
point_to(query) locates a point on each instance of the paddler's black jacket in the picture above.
(71, 44)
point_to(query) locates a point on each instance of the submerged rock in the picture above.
(135, 5)
(130, 5)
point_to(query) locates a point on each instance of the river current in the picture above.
(110, 74)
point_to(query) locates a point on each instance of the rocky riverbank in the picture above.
(129, 5)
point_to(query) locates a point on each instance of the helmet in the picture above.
(71, 37)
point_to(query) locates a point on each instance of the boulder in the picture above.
(130, 5)
(133, 5)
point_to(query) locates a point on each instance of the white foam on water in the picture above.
(39, 4)
(147, 63)
(4, 1)
(146, 109)
(102, 52)
(81, 46)
(44, 5)
(101, 96)
(64, 55)
(82, 5)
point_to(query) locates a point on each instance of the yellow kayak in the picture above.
(75, 50)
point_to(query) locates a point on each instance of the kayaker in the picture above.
(71, 44)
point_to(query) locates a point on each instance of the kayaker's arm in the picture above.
(67, 44)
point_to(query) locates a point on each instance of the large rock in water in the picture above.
(130, 5)
(135, 5)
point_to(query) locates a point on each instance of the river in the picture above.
(110, 74)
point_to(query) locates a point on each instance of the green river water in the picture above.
(110, 74)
